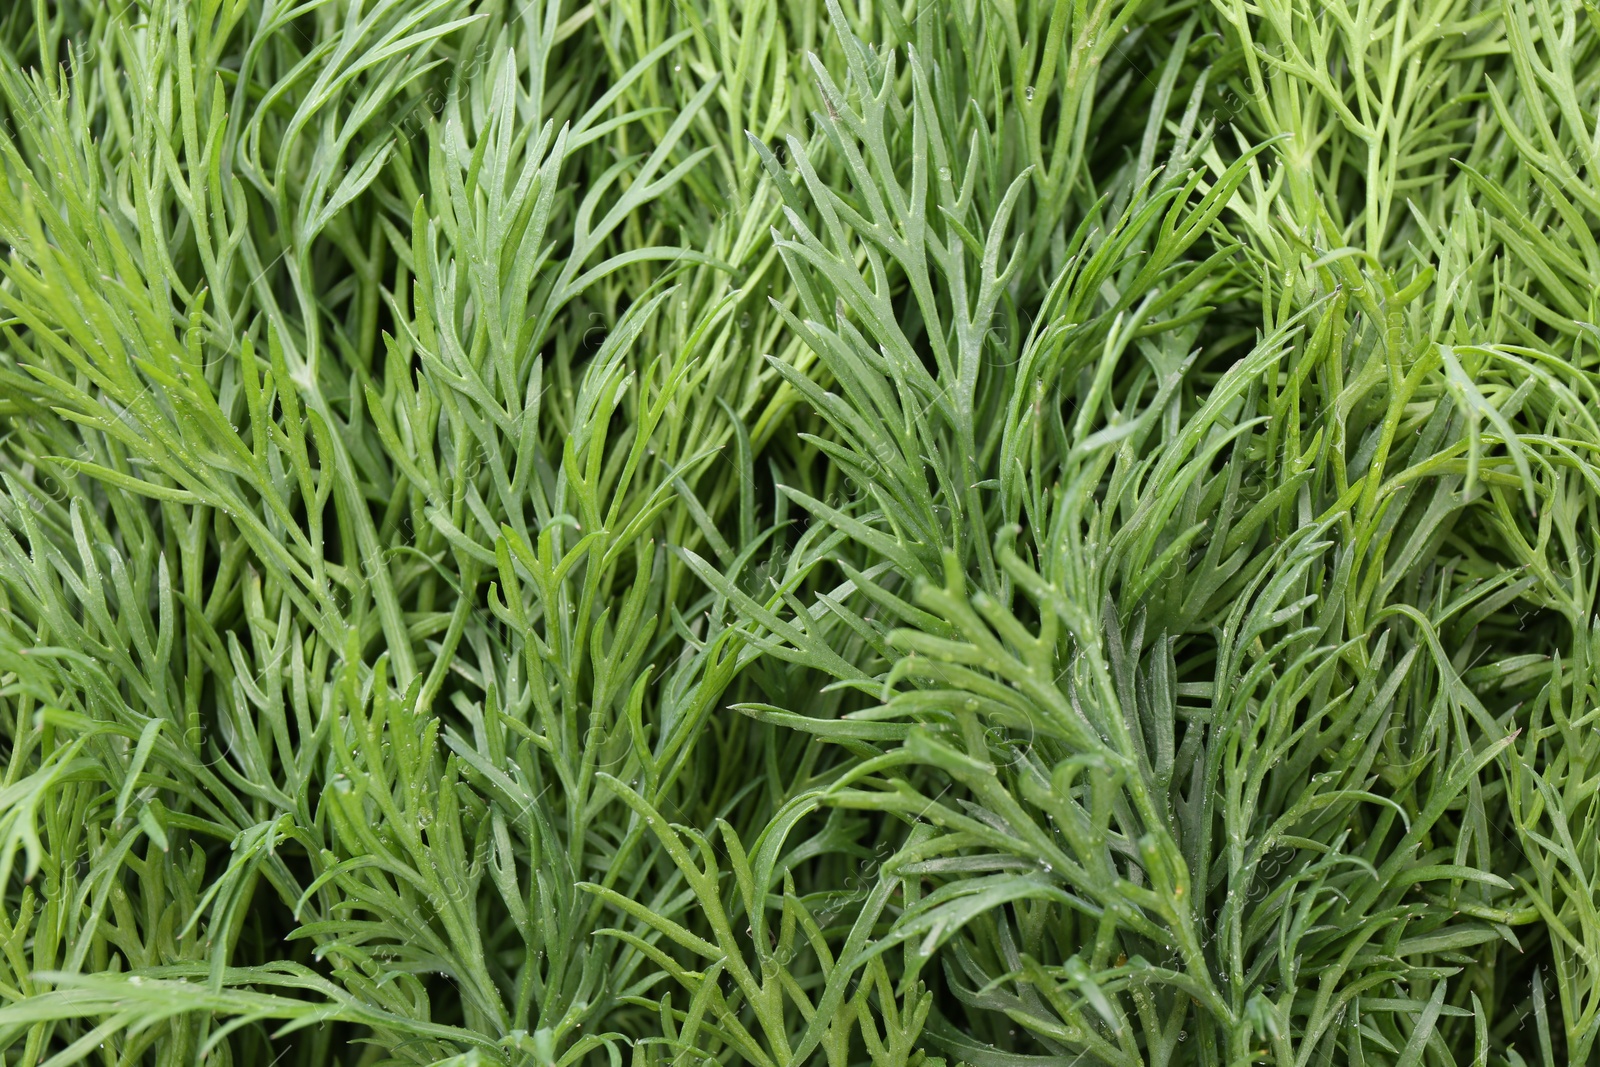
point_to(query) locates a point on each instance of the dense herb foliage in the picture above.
(790, 532)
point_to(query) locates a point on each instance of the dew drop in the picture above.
(1028, 92)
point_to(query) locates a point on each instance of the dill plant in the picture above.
(985, 531)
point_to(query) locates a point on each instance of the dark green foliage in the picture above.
(983, 531)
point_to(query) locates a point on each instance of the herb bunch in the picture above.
(985, 531)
